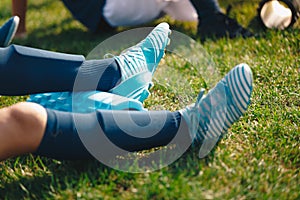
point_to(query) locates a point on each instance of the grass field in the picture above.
(258, 159)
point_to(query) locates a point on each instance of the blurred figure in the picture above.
(103, 16)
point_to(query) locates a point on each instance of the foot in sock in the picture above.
(8, 31)
(138, 63)
(85, 102)
(212, 115)
(220, 25)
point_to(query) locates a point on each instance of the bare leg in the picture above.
(19, 8)
(22, 127)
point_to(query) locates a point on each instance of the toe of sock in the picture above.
(164, 25)
(239, 81)
(246, 75)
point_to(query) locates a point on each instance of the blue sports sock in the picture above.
(119, 125)
(62, 141)
(25, 70)
(205, 8)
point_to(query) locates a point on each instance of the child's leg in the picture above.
(26, 70)
(205, 123)
(22, 127)
(28, 127)
(65, 131)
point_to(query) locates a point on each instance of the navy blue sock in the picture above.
(25, 70)
(123, 128)
(205, 8)
(62, 141)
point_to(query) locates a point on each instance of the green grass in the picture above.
(258, 159)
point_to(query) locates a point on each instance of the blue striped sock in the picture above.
(211, 116)
(138, 63)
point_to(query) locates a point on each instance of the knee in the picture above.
(28, 124)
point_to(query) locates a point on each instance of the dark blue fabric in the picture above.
(25, 70)
(61, 139)
(88, 12)
(114, 128)
(206, 7)
(4, 31)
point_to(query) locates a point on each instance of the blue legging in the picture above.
(63, 138)
(25, 70)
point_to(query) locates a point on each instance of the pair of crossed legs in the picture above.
(31, 128)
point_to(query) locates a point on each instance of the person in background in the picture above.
(106, 15)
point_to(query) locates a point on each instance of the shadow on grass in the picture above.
(59, 177)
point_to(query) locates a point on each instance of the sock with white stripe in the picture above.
(138, 63)
(212, 115)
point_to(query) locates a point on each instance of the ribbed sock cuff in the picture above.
(100, 75)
